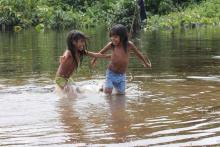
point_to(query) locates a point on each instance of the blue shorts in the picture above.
(115, 79)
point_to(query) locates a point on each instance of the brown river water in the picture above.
(176, 103)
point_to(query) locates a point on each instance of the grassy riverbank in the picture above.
(207, 13)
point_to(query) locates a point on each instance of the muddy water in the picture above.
(176, 103)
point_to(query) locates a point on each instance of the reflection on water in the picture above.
(119, 120)
(153, 112)
(176, 103)
(71, 121)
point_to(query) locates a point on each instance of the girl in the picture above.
(70, 61)
(120, 47)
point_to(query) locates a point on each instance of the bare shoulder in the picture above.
(131, 45)
(109, 44)
(107, 47)
(67, 54)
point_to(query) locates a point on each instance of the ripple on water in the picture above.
(206, 78)
(216, 57)
(33, 115)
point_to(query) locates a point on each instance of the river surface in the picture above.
(176, 103)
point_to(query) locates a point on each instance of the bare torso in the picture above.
(66, 66)
(119, 59)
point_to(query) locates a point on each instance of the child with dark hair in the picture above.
(70, 61)
(121, 48)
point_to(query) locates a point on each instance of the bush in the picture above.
(207, 13)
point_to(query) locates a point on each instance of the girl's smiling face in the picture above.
(115, 39)
(79, 44)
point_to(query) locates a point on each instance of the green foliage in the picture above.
(123, 13)
(40, 27)
(17, 28)
(57, 14)
(205, 14)
(166, 6)
(162, 7)
(17, 12)
(8, 16)
(60, 14)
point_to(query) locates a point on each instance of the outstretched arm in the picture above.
(145, 61)
(98, 55)
(102, 51)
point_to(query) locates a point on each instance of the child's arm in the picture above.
(102, 51)
(146, 61)
(98, 55)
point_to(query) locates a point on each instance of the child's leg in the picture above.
(119, 83)
(108, 83)
(63, 89)
(108, 87)
(120, 87)
(70, 91)
(67, 92)
(61, 82)
(108, 90)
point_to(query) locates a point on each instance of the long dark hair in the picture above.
(121, 31)
(75, 35)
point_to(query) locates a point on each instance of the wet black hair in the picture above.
(121, 31)
(75, 35)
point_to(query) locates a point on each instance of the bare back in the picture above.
(66, 66)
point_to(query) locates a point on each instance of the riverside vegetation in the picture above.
(61, 14)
